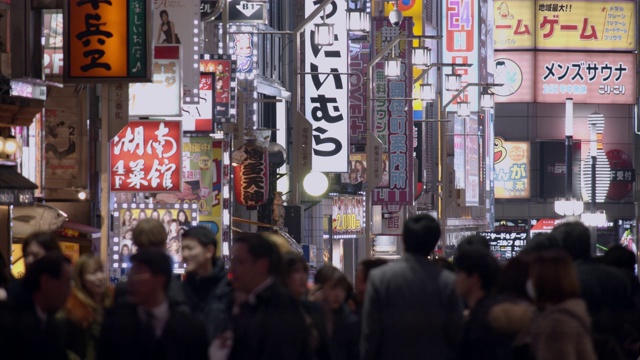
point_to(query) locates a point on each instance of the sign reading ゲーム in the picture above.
(146, 157)
(514, 24)
(107, 39)
(589, 78)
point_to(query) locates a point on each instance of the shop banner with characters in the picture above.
(348, 215)
(511, 169)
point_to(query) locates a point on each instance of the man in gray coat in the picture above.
(411, 310)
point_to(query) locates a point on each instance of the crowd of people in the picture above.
(552, 301)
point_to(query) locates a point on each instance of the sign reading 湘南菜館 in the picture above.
(146, 156)
(589, 78)
(586, 25)
(107, 39)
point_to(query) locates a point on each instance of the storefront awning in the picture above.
(10, 178)
(72, 229)
(18, 115)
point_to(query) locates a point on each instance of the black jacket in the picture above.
(210, 299)
(25, 337)
(345, 338)
(271, 328)
(125, 337)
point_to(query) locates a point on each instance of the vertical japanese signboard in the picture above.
(146, 157)
(166, 85)
(107, 39)
(327, 95)
(393, 119)
(472, 162)
(586, 25)
(225, 86)
(511, 169)
(514, 24)
(360, 57)
(177, 22)
(589, 78)
(461, 47)
(201, 174)
(53, 34)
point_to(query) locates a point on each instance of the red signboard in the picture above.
(146, 157)
(252, 177)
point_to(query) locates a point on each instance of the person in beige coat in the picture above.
(562, 331)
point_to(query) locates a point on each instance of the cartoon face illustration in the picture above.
(503, 11)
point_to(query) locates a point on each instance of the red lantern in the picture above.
(251, 177)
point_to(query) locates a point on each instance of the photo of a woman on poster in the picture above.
(168, 29)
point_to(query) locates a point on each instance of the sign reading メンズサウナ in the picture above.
(589, 78)
(107, 39)
(146, 156)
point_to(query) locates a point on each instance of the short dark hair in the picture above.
(575, 239)
(543, 241)
(328, 274)
(163, 12)
(150, 233)
(367, 265)
(259, 247)
(421, 234)
(45, 239)
(475, 240)
(157, 261)
(50, 264)
(514, 276)
(202, 235)
(291, 260)
(620, 257)
(474, 260)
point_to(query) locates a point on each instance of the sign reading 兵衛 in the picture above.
(589, 78)
(514, 24)
(461, 47)
(327, 95)
(511, 169)
(586, 25)
(107, 39)
(146, 157)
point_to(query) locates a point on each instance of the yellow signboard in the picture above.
(514, 24)
(586, 25)
(511, 169)
(70, 250)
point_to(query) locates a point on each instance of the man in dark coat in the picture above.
(207, 288)
(411, 310)
(32, 332)
(268, 323)
(148, 326)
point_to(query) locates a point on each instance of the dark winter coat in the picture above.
(210, 299)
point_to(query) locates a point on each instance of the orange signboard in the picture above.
(106, 39)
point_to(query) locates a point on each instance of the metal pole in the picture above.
(593, 182)
(568, 148)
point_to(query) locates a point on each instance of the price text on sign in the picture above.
(146, 157)
(346, 222)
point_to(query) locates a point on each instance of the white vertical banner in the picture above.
(326, 94)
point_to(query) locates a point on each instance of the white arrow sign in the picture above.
(248, 8)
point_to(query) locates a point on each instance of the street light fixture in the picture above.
(358, 20)
(421, 57)
(324, 34)
(427, 92)
(464, 110)
(486, 99)
(452, 82)
(392, 66)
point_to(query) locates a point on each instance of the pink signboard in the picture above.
(358, 92)
(590, 78)
(393, 118)
(513, 70)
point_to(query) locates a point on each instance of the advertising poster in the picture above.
(393, 119)
(458, 152)
(348, 215)
(225, 86)
(146, 157)
(173, 24)
(627, 235)
(165, 85)
(199, 117)
(513, 70)
(61, 137)
(511, 169)
(198, 170)
(357, 173)
(461, 45)
(472, 162)
(542, 226)
(213, 220)
(589, 78)
(360, 56)
(175, 222)
(586, 25)
(326, 97)
(508, 238)
(53, 33)
(515, 26)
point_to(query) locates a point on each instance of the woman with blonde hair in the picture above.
(84, 311)
(563, 329)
